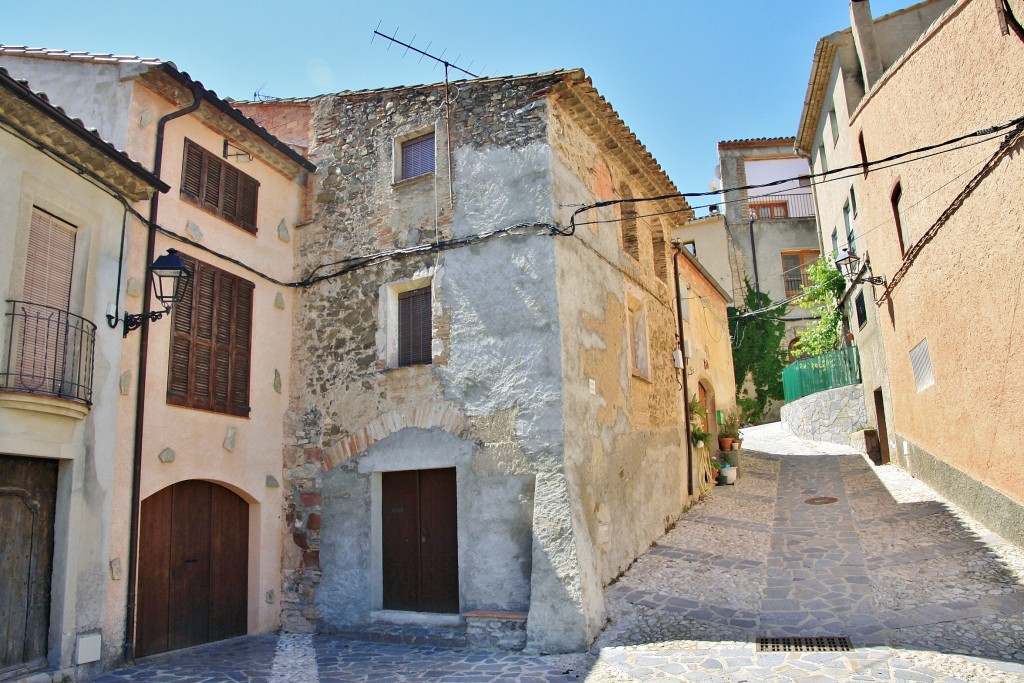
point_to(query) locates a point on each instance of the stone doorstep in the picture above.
(495, 614)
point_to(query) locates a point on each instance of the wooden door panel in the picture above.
(229, 560)
(420, 541)
(28, 498)
(400, 529)
(439, 544)
(154, 573)
(193, 567)
(189, 593)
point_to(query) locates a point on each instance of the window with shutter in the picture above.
(414, 327)
(42, 334)
(210, 342)
(218, 187)
(418, 156)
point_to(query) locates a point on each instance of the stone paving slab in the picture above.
(924, 592)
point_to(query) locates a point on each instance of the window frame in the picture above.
(230, 355)
(389, 330)
(399, 149)
(861, 309)
(411, 328)
(638, 338)
(239, 206)
(806, 258)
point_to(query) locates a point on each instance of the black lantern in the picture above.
(170, 281)
(848, 264)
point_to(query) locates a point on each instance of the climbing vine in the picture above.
(822, 295)
(757, 352)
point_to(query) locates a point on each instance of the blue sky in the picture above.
(682, 75)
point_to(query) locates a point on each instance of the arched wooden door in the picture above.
(193, 567)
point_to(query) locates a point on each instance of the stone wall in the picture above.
(489, 404)
(829, 415)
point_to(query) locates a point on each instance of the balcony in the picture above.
(782, 206)
(49, 352)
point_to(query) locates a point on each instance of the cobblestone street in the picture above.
(812, 541)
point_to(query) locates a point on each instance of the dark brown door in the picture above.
(883, 428)
(420, 541)
(28, 498)
(193, 567)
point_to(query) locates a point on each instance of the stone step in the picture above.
(450, 637)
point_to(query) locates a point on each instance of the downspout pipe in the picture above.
(140, 390)
(682, 352)
(753, 257)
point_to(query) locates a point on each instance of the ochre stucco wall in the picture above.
(962, 291)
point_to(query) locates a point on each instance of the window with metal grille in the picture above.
(414, 327)
(794, 270)
(921, 362)
(216, 186)
(211, 332)
(418, 156)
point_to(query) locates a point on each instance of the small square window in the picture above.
(417, 156)
(862, 311)
(414, 327)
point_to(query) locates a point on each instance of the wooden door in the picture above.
(193, 567)
(28, 499)
(420, 541)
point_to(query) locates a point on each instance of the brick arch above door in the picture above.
(437, 415)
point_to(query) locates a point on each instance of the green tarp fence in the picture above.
(838, 368)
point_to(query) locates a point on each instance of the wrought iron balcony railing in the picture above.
(48, 351)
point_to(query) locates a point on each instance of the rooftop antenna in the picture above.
(448, 67)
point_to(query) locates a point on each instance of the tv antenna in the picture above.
(448, 67)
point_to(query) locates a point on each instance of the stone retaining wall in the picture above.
(829, 415)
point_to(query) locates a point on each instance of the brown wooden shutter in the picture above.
(218, 187)
(181, 342)
(240, 351)
(247, 210)
(414, 323)
(192, 171)
(212, 188)
(210, 349)
(202, 337)
(230, 205)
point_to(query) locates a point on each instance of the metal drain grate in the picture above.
(805, 644)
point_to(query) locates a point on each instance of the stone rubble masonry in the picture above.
(830, 415)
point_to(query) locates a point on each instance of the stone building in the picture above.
(188, 455)
(486, 416)
(63, 192)
(939, 373)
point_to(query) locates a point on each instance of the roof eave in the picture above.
(821, 72)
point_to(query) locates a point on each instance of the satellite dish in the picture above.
(718, 170)
(713, 185)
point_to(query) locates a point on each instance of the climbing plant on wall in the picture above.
(822, 295)
(757, 352)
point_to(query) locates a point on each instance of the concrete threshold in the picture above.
(400, 618)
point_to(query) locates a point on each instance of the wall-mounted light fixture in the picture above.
(849, 265)
(235, 152)
(170, 280)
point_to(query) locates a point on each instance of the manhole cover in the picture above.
(821, 500)
(801, 644)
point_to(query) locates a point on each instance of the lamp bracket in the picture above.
(133, 321)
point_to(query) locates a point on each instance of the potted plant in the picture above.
(698, 437)
(716, 467)
(729, 431)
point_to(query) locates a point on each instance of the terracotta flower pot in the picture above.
(725, 442)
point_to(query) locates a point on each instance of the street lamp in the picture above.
(170, 281)
(848, 264)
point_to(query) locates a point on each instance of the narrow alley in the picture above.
(812, 542)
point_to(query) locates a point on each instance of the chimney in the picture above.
(864, 39)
